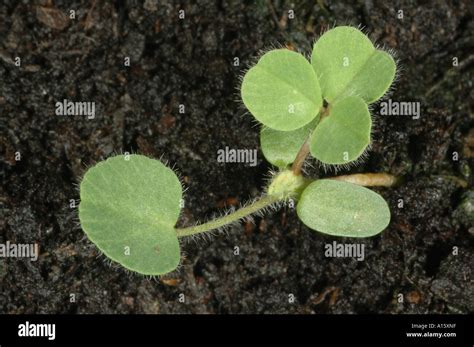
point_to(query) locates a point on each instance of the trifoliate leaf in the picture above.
(282, 91)
(343, 209)
(343, 135)
(347, 63)
(129, 207)
(281, 147)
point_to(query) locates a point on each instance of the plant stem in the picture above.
(230, 218)
(304, 150)
(369, 179)
(300, 158)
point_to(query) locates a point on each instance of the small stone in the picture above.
(151, 5)
(413, 297)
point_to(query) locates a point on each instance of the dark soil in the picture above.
(190, 62)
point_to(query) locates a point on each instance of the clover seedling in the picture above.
(130, 204)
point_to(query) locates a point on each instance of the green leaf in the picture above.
(347, 63)
(343, 209)
(343, 135)
(129, 206)
(281, 147)
(282, 91)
